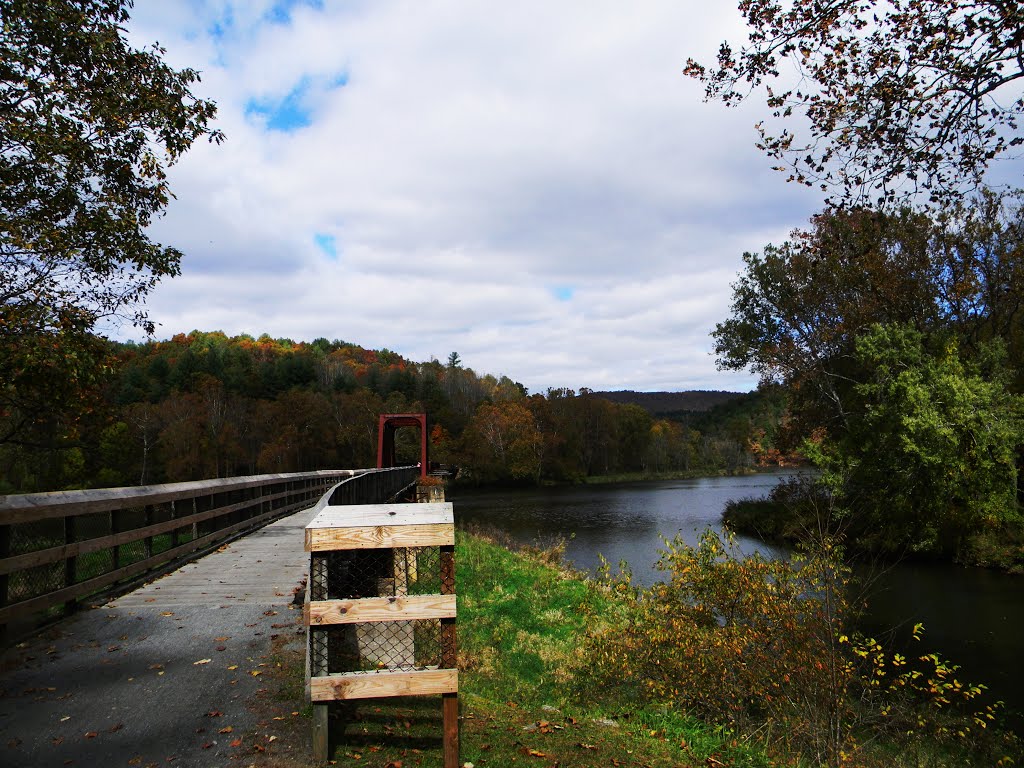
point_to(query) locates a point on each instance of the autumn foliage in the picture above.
(768, 647)
(204, 405)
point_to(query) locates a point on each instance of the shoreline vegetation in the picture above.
(543, 681)
(793, 508)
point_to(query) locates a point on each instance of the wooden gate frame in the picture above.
(381, 526)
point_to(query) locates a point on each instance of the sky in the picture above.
(533, 185)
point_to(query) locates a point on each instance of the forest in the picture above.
(204, 405)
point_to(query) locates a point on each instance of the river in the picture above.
(972, 617)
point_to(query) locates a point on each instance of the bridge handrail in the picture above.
(29, 507)
(58, 547)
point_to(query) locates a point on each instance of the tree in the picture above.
(88, 126)
(898, 338)
(503, 442)
(798, 307)
(900, 97)
(931, 457)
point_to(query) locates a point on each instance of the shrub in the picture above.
(765, 646)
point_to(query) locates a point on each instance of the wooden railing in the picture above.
(56, 548)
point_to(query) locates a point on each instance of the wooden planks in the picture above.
(372, 515)
(367, 609)
(386, 683)
(395, 530)
(379, 537)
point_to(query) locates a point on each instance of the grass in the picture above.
(525, 699)
(526, 695)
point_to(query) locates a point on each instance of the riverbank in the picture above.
(782, 522)
(527, 692)
(620, 477)
(524, 698)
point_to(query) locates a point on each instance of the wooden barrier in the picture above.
(56, 548)
(397, 641)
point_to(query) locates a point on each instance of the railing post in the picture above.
(318, 653)
(148, 541)
(5, 551)
(70, 563)
(115, 528)
(174, 531)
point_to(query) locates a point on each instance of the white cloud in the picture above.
(536, 186)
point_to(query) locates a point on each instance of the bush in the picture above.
(764, 646)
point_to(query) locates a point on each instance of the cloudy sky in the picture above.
(534, 185)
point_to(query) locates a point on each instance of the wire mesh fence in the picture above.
(373, 646)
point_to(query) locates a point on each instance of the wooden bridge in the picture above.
(166, 674)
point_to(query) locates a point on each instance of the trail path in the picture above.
(171, 674)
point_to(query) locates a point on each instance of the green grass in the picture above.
(525, 698)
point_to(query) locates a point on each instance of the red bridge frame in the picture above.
(389, 423)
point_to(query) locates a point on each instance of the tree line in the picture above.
(203, 405)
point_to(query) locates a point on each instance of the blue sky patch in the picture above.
(281, 11)
(327, 244)
(293, 111)
(287, 115)
(563, 292)
(223, 26)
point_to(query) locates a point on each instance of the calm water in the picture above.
(973, 617)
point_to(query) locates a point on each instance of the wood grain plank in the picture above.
(379, 537)
(371, 685)
(372, 515)
(367, 609)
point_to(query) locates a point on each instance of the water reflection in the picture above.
(621, 522)
(971, 616)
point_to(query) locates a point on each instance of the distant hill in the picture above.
(660, 403)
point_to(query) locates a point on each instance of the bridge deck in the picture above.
(153, 677)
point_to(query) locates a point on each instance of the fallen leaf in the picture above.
(115, 728)
(207, 745)
(91, 735)
(221, 639)
(201, 661)
(150, 600)
(536, 753)
(113, 648)
(214, 713)
(270, 613)
(57, 740)
(236, 743)
(233, 667)
(256, 673)
(65, 718)
(272, 738)
(221, 648)
(226, 729)
(137, 760)
(167, 613)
